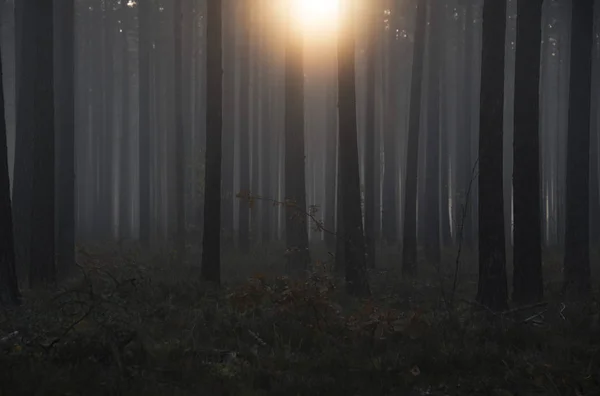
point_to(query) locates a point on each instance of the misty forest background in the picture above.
(450, 145)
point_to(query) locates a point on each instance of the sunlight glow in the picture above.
(317, 18)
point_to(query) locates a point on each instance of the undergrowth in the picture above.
(123, 328)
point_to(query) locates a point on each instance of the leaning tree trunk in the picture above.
(492, 289)
(577, 232)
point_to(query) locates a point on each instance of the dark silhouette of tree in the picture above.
(40, 23)
(527, 274)
(370, 158)
(352, 232)
(409, 238)
(577, 232)
(9, 289)
(296, 231)
(266, 126)
(432, 166)
(179, 131)
(65, 122)
(144, 51)
(330, 166)
(245, 8)
(125, 190)
(211, 242)
(389, 203)
(492, 289)
(229, 75)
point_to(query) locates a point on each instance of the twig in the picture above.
(461, 230)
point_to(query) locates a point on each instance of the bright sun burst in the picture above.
(315, 17)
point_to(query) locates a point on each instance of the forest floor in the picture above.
(136, 326)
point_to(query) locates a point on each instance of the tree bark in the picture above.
(354, 245)
(409, 237)
(492, 289)
(211, 242)
(577, 254)
(527, 263)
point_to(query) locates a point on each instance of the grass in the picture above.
(136, 326)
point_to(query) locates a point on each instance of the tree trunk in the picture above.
(42, 270)
(492, 290)
(354, 244)
(9, 289)
(577, 254)
(179, 131)
(432, 170)
(211, 242)
(409, 236)
(65, 121)
(298, 255)
(370, 206)
(244, 127)
(144, 15)
(527, 263)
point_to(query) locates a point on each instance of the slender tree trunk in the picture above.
(354, 244)
(527, 274)
(229, 119)
(577, 254)
(330, 167)
(42, 269)
(144, 15)
(492, 290)
(179, 131)
(9, 288)
(125, 144)
(65, 121)
(298, 255)
(370, 132)
(244, 128)
(432, 171)
(409, 237)
(211, 242)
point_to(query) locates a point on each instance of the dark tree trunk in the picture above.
(211, 242)
(354, 244)
(492, 290)
(179, 144)
(22, 193)
(244, 127)
(65, 121)
(228, 137)
(125, 144)
(527, 274)
(330, 167)
(390, 171)
(266, 132)
(43, 270)
(9, 289)
(298, 255)
(466, 220)
(409, 236)
(432, 167)
(144, 15)
(370, 164)
(577, 254)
